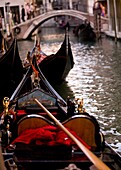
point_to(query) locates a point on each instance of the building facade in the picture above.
(13, 7)
(114, 14)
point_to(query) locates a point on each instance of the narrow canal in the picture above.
(95, 77)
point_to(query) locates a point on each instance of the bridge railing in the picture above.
(75, 6)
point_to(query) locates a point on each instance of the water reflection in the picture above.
(96, 76)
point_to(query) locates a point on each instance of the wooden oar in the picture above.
(93, 158)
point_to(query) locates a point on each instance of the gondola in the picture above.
(11, 70)
(56, 67)
(85, 33)
(41, 130)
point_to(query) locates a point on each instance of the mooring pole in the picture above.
(115, 20)
(97, 18)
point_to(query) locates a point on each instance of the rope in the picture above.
(35, 71)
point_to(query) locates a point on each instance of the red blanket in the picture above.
(47, 135)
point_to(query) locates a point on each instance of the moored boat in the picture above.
(85, 32)
(56, 67)
(11, 70)
(47, 132)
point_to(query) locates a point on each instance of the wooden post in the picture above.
(115, 20)
(70, 4)
(97, 19)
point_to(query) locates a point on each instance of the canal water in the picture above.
(95, 77)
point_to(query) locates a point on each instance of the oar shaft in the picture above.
(93, 158)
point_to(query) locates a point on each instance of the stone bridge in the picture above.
(25, 29)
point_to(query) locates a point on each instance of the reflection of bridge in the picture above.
(28, 27)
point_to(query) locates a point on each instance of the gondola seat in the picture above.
(87, 128)
(83, 126)
(38, 148)
(32, 121)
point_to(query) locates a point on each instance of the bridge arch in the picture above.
(36, 22)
